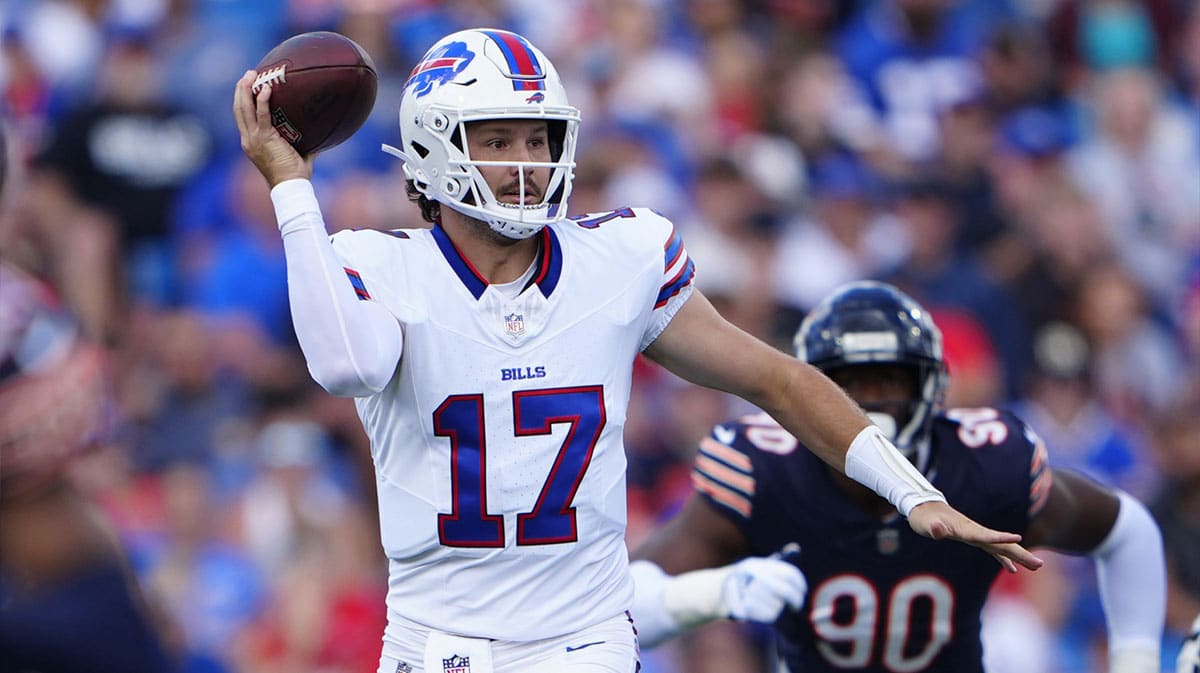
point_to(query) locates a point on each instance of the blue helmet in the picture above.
(872, 323)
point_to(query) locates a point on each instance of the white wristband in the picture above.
(875, 462)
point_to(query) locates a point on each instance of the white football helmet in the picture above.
(474, 75)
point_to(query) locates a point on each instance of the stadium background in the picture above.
(1028, 169)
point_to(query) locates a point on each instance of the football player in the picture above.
(68, 599)
(491, 356)
(878, 597)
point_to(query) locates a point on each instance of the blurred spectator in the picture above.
(1060, 241)
(1140, 168)
(644, 79)
(182, 403)
(817, 109)
(232, 268)
(1102, 34)
(124, 156)
(936, 275)
(206, 581)
(1138, 366)
(733, 240)
(966, 128)
(1018, 70)
(293, 498)
(1177, 509)
(842, 236)
(1061, 405)
(909, 57)
(68, 601)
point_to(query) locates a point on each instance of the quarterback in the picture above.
(491, 356)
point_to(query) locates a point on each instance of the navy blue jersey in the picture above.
(881, 598)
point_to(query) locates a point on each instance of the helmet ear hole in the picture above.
(420, 150)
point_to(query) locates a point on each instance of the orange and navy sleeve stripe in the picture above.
(356, 280)
(1041, 479)
(677, 268)
(725, 475)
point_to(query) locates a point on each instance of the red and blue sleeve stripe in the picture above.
(356, 280)
(675, 255)
(523, 65)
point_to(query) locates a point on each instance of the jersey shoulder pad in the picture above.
(723, 470)
(987, 431)
(635, 228)
(370, 247)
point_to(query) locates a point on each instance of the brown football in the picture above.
(322, 89)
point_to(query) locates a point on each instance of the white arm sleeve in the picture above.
(664, 606)
(1132, 577)
(874, 461)
(352, 347)
(754, 589)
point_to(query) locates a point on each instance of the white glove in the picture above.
(1189, 656)
(757, 589)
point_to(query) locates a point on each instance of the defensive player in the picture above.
(880, 598)
(491, 357)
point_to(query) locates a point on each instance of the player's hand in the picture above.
(938, 520)
(757, 589)
(274, 157)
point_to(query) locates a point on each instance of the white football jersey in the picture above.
(498, 444)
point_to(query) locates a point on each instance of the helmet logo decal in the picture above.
(524, 68)
(439, 67)
(536, 98)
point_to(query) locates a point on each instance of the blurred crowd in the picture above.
(1027, 169)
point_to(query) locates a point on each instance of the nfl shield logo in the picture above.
(456, 664)
(514, 323)
(888, 541)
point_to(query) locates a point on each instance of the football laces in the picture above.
(276, 74)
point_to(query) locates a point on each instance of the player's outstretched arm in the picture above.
(704, 348)
(351, 346)
(1119, 533)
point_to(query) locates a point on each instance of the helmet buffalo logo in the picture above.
(536, 98)
(439, 67)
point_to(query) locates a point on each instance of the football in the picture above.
(323, 87)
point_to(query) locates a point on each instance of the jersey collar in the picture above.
(549, 263)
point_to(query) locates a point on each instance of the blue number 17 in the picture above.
(552, 519)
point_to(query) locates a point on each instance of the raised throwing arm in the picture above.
(351, 347)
